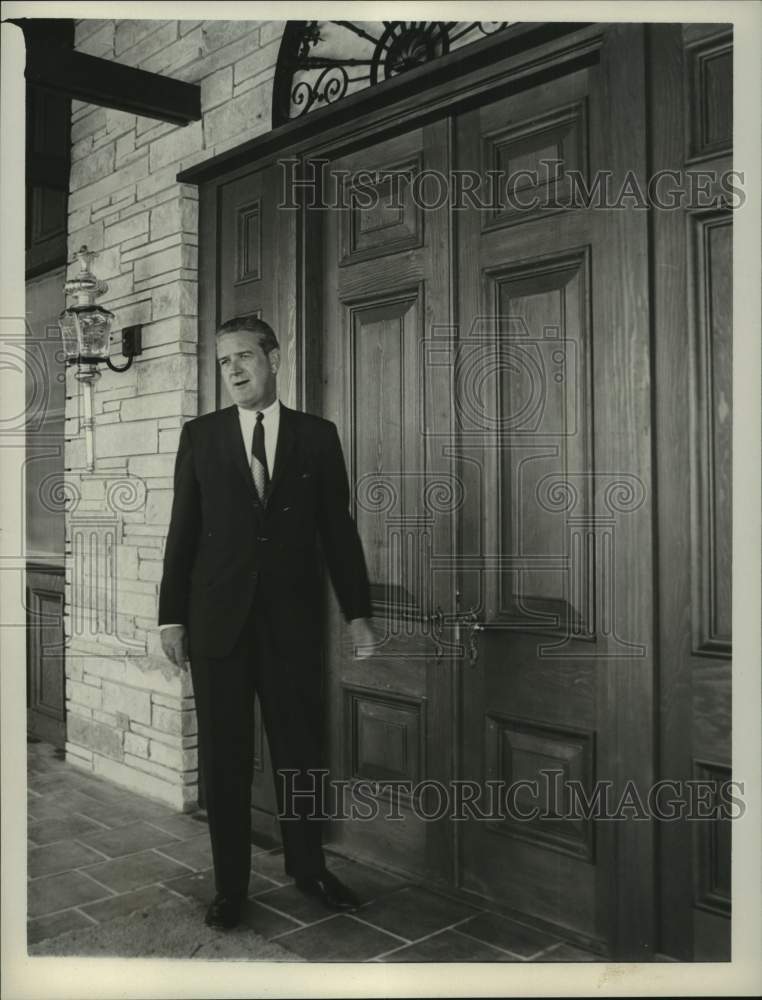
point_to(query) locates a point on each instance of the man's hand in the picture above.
(174, 642)
(364, 641)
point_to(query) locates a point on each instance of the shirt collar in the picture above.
(268, 411)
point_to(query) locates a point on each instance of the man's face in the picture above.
(248, 372)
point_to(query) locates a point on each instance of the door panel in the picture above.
(385, 286)
(693, 295)
(46, 684)
(254, 241)
(253, 272)
(552, 377)
(246, 227)
(533, 412)
(531, 416)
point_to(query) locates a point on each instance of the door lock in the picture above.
(460, 620)
(473, 641)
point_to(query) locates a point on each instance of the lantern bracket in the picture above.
(132, 346)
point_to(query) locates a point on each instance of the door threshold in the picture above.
(459, 894)
(566, 934)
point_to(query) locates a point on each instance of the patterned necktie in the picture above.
(259, 459)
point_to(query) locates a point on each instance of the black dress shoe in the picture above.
(223, 912)
(332, 893)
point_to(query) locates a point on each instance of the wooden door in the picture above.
(555, 543)
(534, 410)
(693, 296)
(385, 288)
(241, 215)
(492, 373)
(545, 385)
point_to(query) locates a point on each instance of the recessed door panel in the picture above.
(555, 520)
(385, 285)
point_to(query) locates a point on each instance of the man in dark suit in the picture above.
(257, 485)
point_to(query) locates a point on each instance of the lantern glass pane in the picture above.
(69, 333)
(95, 326)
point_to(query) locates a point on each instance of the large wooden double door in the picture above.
(487, 365)
(482, 333)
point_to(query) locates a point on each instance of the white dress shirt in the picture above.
(270, 425)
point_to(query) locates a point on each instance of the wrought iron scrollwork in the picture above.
(331, 85)
(322, 61)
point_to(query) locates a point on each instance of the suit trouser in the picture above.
(291, 702)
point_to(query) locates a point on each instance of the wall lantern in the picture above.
(86, 333)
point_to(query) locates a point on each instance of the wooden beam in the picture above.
(111, 85)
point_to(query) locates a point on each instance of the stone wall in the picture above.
(130, 713)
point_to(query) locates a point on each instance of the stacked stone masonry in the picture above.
(130, 714)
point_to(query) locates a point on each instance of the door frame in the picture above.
(531, 57)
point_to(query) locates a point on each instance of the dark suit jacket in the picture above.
(225, 550)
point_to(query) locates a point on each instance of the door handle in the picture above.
(473, 642)
(464, 619)
(437, 629)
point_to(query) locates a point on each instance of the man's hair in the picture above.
(267, 339)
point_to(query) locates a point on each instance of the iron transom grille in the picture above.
(320, 62)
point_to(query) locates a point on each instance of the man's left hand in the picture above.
(364, 641)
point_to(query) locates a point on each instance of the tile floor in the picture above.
(96, 852)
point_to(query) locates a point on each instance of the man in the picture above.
(256, 486)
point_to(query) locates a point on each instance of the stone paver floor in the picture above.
(96, 851)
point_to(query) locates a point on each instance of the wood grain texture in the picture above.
(626, 689)
(711, 262)
(208, 296)
(579, 275)
(712, 844)
(691, 337)
(672, 389)
(709, 94)
(553, 758)
(608, 97)
(384, 285)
